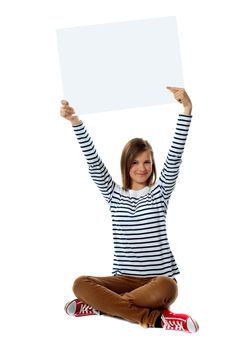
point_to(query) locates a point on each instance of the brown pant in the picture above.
(135, 299)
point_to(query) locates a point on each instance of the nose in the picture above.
(142, 168)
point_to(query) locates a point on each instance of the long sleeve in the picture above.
(173, 161)
(97, 169)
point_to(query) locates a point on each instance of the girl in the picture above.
(143, 285)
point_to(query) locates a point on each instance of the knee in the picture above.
(168, 288)
(78, 285)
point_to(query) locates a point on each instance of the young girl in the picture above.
(143, 284)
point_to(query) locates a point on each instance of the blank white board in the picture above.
(120, 65)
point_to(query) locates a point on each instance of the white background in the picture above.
(54, 223)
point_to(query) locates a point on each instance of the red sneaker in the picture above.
(78, 308)
(178, 322)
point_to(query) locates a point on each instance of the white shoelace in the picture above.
(173, 324)
(87, 309)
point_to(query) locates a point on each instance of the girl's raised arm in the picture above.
(97, 169)
(173, 161)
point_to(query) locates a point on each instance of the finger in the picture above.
(178, 94)
(64, 113)
(66, 110)
(64, 103)
(173, 88)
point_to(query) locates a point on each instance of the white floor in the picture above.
(37, 320)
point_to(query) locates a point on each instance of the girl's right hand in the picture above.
(67, 112)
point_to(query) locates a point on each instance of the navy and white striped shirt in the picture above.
(141, 247)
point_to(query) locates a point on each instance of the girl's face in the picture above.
(141, 170)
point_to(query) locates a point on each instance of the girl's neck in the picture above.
(137, 187)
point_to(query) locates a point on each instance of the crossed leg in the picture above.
(136, 299)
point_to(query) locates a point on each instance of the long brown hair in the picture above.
(130, 151)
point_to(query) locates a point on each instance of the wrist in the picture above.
(75, 121)
(187, 110)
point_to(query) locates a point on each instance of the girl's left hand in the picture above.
(182, 97)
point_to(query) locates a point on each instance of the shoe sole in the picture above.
(70, 308)
(192, 325)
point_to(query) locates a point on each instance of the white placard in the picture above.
(121, 65)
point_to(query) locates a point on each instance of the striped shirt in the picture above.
(141, 247)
